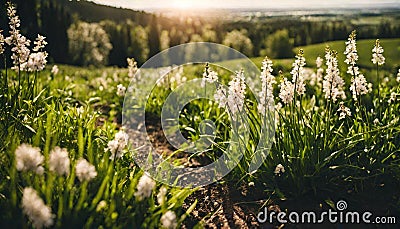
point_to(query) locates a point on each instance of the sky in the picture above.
(256, 4)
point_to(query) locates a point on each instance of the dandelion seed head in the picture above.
(33, 206)
(161, 195)
(29, 158)
(145, 187)
(84, 170)
(59, 161)
(168, 220)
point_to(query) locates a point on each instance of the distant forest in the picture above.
(141, 35)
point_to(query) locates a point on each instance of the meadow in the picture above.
(328, 121)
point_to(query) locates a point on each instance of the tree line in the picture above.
(115, 34)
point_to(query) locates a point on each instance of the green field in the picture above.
(364, 47)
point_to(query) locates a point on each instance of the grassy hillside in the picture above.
(364, 47)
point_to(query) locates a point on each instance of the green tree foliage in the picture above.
(88, 43)
(278, 45)
(238, 40)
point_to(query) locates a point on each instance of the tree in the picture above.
(238, 40)
(139, 47)
(88, 43)
(278, 45)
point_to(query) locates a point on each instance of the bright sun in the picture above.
(182, 4)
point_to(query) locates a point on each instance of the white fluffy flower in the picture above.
(161, 195)
(298, 73)
(344, 111)
(333, 83)
(144, 187)
(54, 70)
(33, 206)
(377, 54)
(118, 144)
(279, 169)
(209, 76)
(84, 170)
(287, 91)
(121, 90)
(29, 158)
(168, 220)
(59, 161)
(268, 80)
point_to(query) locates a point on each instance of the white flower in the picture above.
(344, 111)
(121, 90)
(377, 57)
(40, 43)
(118, 144)
(84, 170)
(59, 161)
(287, 91)
(29, 159)
(333, 83)
(376, 121)
(236, 94)
(1, 42)
(132, 67)
(101, 205)
(161, 195)
(33, 206)
(392, 97)
(144, 187)
(268, 80)
(168, 220)
(220, 97)
(19, 43)
(54, 70)
(351, 49)
(298, 73)
(36, 62)
(359, 85)
(398, 76)
(209, 76)
(279, 169)
(319, 61)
